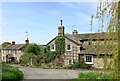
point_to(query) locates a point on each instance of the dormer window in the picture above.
(69, 47)
(52, 47)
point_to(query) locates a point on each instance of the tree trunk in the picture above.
(31, 61)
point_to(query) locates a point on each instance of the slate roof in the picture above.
(94, 36)
(88, 36)
(100, 49)
(14, 47)
(76, 38)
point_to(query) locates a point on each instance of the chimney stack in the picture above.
(61, 29)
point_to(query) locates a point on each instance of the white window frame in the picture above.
(71, 61)
(51, 47)
(88, 62)
(70, 47)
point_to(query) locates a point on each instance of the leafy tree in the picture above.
(32, 50)
(4, 44)
(111, 11)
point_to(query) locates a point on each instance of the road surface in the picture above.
(39, 73)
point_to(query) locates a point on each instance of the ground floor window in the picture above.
(70, 62)
(89, 59)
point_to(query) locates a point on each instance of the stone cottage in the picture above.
(13, 52)
(79, 46)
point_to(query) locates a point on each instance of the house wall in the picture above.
(100, 62)
(72, 54)
(16, 53)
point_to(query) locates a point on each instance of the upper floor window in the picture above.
(69, 47)
(52, 47)
(89, 59)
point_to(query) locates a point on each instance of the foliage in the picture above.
(60, 45)
(4, 44)
(24, 59)
(59, 49)
(32, 49)
(80, 64)
(9, 72)
(31, 54)
(49, 56)
(108, 12)
(93, 75)
(38, 60)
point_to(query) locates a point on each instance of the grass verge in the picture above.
(11, 73)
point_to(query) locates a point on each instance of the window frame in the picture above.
(91, 59)
(70, 47)
(69, 61)
(51, 47)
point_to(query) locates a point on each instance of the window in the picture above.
(89, 43)
(68, 47)
(52, 47)
(70, 62)
(89, 59)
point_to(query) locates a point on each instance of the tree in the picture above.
(32, 50)
(4, 44)
(111, 11)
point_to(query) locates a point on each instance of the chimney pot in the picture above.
(27, 41)
(60, 22)
(13, 42)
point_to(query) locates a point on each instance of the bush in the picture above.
(24, 59)
(9, 72)
(80, 64)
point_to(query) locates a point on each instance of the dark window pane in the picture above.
(68, 47)
(88, 58)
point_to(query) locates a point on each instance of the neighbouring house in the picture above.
(13, 52)
(90, 46)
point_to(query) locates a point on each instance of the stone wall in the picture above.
(100, 62)
(16, 54)
(72, 54)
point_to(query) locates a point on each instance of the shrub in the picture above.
(80, 64)
(9, 72)
(24, 59)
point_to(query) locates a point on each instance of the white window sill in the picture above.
(89, 62)
(52, 50)
(68, 50)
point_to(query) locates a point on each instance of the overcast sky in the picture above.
(41, 19)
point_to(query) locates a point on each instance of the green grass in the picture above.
(92, 75)
(9, 72)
